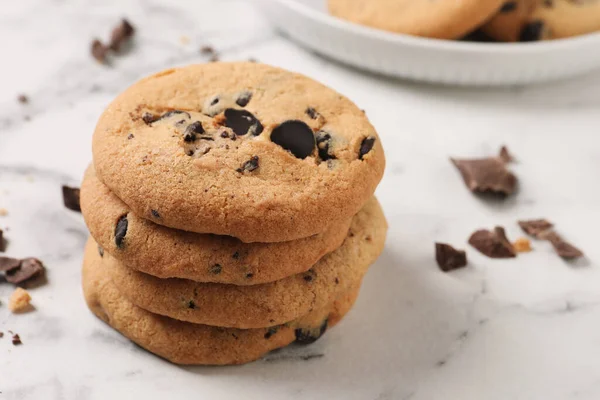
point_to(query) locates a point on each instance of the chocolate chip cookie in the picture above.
(186, 343)
(433, 19)
(263, 305)
(239, 149)
(533, 20)
(170, 253)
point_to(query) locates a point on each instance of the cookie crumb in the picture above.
(184, 40)
(23, 99)
(3, 212)
(522, 245)
(448, 258)
(71, 198)
(19, 301)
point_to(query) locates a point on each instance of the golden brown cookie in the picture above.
(239, 149)
(186, 343)
(263, 305)
(433, 19)
(532, 20)
(169, 253)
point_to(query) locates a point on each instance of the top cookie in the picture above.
(433, 19)
(239, 149)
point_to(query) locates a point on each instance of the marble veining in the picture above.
(526, 328)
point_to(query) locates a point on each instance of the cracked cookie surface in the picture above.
(263, 305)
(239, 149)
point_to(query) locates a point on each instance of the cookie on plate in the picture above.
(170, 253)
(532, 20)
(186, 343)
(239, 149)
(256, 306)
(433, 19)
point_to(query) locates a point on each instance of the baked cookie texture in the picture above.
(432, 19)
(532, 20)
(239, 149)
(186, 343)
(170, 253)
(263, 305)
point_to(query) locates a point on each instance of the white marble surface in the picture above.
(500, 329)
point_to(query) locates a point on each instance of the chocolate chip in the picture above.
(149, 118)
(486, 175)
(121, 231)
(366, 146)
(337, 281)
(493, 244)
(244, 98)
(249, 166)
(225, 135)
(448, 258)
(236, 255)
(308, 336)
(249, 275)
(191, 304)
(120, 34)
(130, 136)
(99, 51)
(192, 130)
(308, 278)
(28, 268)
(214, 101)
(323, 144)
(71, 198)
(508, 7)
(101, 251)
(16, 340)
(531, 32)
(7, 263)
(270, 332)
(562, 247)
(242, 122)
(1, 334)
(23, 99)
(311, 112)
(535, 227)
(216, 269)
(296, 137)
(155, 213)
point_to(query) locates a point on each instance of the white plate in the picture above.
(433, 60)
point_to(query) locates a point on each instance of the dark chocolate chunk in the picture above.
(216, 269)
(493, 244)
(16, 339)
(311, 112)
(535, 227)
(508, 7)
(120, 34)
(308, 336)
(365, 147)
(486, 175)
(296, 137)
(192, 130)
(562, 247)
(99, 51)
(1, 334)
(191, 304)
(101, 251)
(121, 231)
(250, 165)
(244, 98)
(448, 258)
(532, 32)
(155, 213)
(7, 263)
(28, 268)
(323, 144)
(71, 198)
(242, 122)
(505, 155)
(270, 332)
(23, 99)
(149, 118)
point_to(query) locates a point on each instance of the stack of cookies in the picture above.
(231, 211)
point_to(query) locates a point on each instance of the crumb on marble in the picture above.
(522, 245)
(3, 212)
(16, 339)
(23, 99)
(20, 301)
(184, 40)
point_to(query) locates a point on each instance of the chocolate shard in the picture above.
(16, 340)
(28, 268)
(535, 227)
(448, 258)
(486, 175)
(120, 34)
(505, 155)
(99, 51)
(8, 263)
(562, 247)
(71, 198)
(493, 244)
